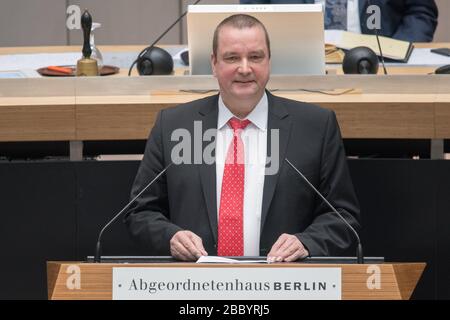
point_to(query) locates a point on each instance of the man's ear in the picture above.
(213, 64)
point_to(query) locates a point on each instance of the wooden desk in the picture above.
(122, 108)
(360, 116)
(397, 280)
(138, 48)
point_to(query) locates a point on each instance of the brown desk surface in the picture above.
(138, 48)
(112, 116)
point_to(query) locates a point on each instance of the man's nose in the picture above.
(244, 67)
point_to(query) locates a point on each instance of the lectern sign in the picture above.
(234, 283)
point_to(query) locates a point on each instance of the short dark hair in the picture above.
(239, 21)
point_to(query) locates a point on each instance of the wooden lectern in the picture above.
(398, 280)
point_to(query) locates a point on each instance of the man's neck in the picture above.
(241, 108)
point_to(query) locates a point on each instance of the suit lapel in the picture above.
(277, 119)
(209, 113)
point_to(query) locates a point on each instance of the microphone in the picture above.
(98, 248)
(360, 60)
(158, 62)
(359, 250)
(379, 45)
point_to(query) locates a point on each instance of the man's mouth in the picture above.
(244, 81)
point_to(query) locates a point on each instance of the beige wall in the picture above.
(443, 30)
(43, 22)
(28, 22)
(130, 21)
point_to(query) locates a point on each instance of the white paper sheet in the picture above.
(216, 259)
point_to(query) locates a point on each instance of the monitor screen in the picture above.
(296, 35)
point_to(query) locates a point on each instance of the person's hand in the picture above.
(187, 246)
(287, 248)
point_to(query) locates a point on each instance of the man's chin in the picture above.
(248, 89)
(245, 94)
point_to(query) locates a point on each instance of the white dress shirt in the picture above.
(254, 138)
(353, 21)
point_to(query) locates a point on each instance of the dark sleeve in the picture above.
(419, 21)
(328, 234)
(148, 219)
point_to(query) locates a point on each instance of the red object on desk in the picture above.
(69, 71)
(61, 69)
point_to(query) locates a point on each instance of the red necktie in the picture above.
(231, 211)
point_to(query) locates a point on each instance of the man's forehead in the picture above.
(232, 29)
(230, 51)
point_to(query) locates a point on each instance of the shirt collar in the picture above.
(257, 117)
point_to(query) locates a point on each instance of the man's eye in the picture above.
(256, 58)
(231, 59)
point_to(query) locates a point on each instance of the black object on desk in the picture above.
(443, 70)
(185, 57)
(442, 51)
(155, 61)
(360, 60)
(87, 66)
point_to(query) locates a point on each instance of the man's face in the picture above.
(242, 64)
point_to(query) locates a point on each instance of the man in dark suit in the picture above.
(410, 20)
(234, 205)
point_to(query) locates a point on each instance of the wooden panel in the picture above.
(385, 120)
(115, 122)
(115, 118)
(398, 280)
(37, 119)
(407, 278)
(53, 271)
(442, 119)
(131, 117)
(359, 116)
(123, 117)
(442, 33)
(378, 115)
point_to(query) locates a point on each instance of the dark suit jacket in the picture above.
(410, 20)
(185, 196)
